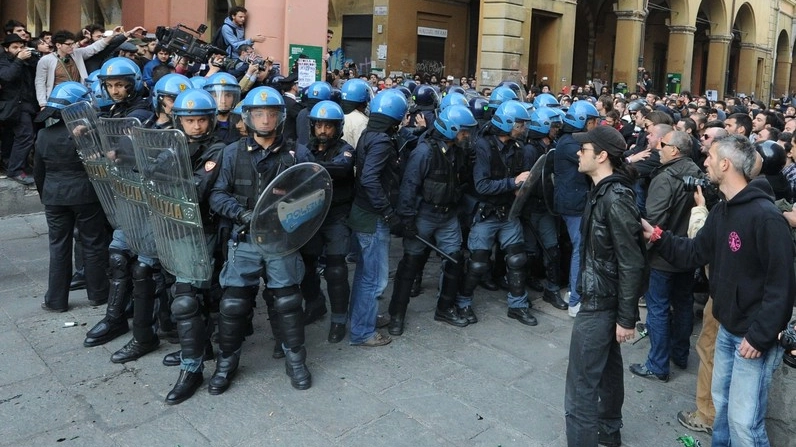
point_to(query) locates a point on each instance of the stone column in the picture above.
(501, 47)
(747, 69)
(628, 47)
(718, 57)
(782, 75)
(680, 55)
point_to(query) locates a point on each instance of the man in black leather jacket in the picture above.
(610, 281)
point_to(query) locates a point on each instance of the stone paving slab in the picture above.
(493, 383)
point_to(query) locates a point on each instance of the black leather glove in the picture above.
(409, 227)
(394, 222)
(788, 337)
(244, 218)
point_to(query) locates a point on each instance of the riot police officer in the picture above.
(315, 93)
(428, 206)
(542, 227)
(163, 95)
(194, 114)
(337, 156)
(501, 165)
(69, 202)
(121, 81)
(247, 167)
(225, 90)
(355, 96)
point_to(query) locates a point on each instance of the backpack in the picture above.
(218, 38)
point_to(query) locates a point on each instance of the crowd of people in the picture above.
(618, 198)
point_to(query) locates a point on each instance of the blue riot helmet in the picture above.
(225, 90)
(89, 81)
(337, 95)
(390, 103)
(99, 97)
(63, 95)
(238, 109)
(578, 114)
(410, 84)
(454, 89)
(264, 111)
(407, 94)
(545, 100)
(500, 95)
(198, 82)
(509, 115)
(542, 121)
(478, 107)
(326, 111)
(515, 87)
(356, 91)
(121, 68)
(317, 92)
(529, 107)
(236, 119)
(425, 97)
(452, 99)
(169, 86)
(195, 103)
(453, 119)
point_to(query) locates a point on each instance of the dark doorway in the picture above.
(430, 55)
(357, 40)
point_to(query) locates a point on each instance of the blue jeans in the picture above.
(370, 280)
(573, 228)
(441, 229)
(595, 389)
(668, 289)
(740, 392)
(119, 243)
(245, 264)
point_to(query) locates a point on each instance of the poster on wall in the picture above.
(306, 72)
(306, 52)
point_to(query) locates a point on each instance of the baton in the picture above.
(437, 249)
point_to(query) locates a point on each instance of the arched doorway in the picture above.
(782, 65)
(711, 40)
(746, 67)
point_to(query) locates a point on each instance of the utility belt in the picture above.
(486, 210)
(438, 209)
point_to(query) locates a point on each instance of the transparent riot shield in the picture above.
(131, 207)
(527, 187)
(167, 175)
(81, 120)
(548, 181)
(291, 209)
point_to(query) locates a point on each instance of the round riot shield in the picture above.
(291, 209)
(527, 187)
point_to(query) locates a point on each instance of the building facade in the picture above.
(722, 46)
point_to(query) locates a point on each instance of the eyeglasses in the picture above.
(663, 144)
(704, 136)
(584, 149)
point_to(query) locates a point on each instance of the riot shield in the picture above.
(291, 209)
(131, 207)
(81, 120)
(548, 181)
(168, 182)
(527, 187)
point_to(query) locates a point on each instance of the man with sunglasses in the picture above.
(669, 206)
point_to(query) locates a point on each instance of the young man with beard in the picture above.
(610, 281)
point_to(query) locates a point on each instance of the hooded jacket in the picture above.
(747, 243)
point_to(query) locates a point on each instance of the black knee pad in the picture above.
(287, 299)
(117, 263)
(515, 256)
(235, 307)
(141, 271)
(185, 307)
(479, 262)
(336, 270)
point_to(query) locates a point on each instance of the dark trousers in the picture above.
(595, 387)
(20, 135)
(90, 222)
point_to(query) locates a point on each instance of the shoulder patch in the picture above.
(209, 165)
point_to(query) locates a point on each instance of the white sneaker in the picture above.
(573, 310)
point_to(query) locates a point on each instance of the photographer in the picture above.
(17, 105)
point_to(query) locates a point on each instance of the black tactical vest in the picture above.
(498, 170)
(249, 183)
(441, 187)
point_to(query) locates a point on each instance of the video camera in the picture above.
(187, 44)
